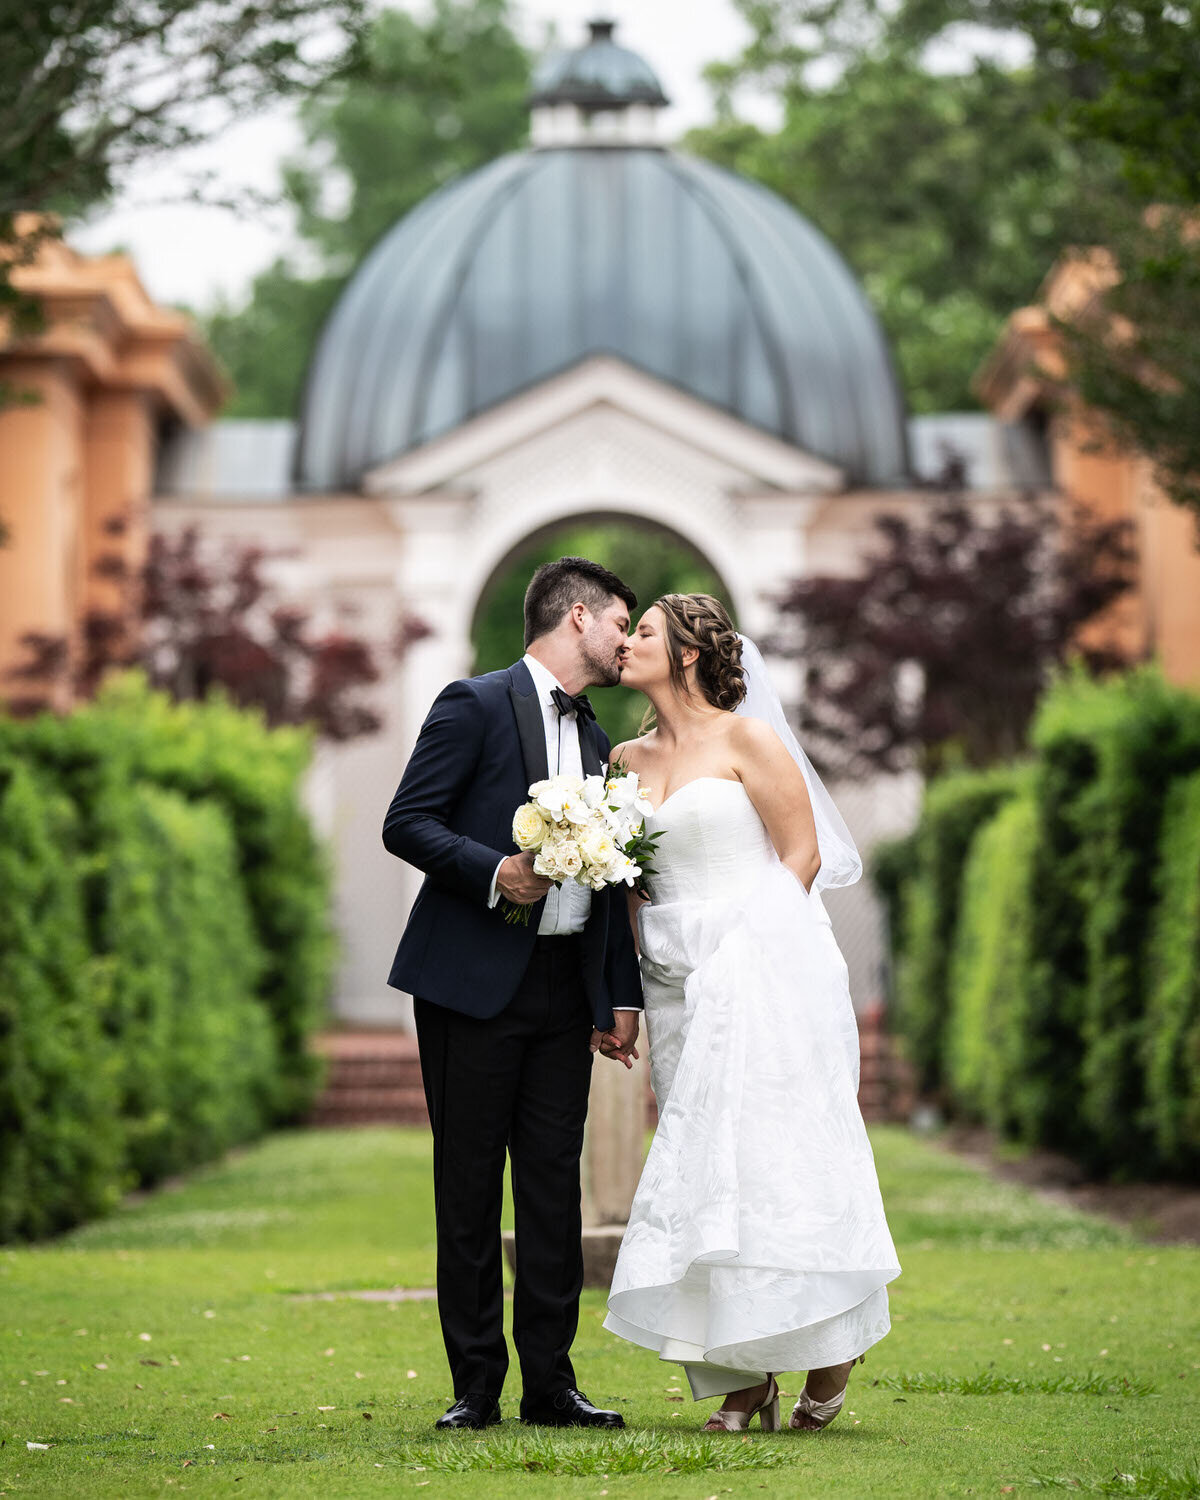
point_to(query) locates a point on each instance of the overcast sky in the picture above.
(191, 255)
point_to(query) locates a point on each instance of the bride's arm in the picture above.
(621, 753)
(780, 794)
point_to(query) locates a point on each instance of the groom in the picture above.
(504, 1013)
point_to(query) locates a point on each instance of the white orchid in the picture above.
(594, 791)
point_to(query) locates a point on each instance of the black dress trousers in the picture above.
(517, 1082)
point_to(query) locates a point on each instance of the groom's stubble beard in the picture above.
(603, 666)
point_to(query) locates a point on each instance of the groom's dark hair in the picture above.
(556, 586)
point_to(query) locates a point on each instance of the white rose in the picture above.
(554, 857)
(569, 860)
(598, 848)
(529, 826)
(546, 862)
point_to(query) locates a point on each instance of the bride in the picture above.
(757, 1240)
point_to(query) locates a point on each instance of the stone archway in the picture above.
(638, 549)
(503, 551)
(601, 440)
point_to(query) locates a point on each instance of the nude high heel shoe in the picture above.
(767, 1412)
(822, 1412)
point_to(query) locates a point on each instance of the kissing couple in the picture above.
(757, 1241)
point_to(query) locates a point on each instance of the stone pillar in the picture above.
(41, 481)
(119, 463)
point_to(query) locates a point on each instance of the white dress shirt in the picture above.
(568, 905)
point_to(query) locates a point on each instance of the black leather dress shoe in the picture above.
(471, 1411)
(568, 1408)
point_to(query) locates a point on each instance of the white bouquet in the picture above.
(590, 829)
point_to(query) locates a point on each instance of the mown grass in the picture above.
(179, 1347)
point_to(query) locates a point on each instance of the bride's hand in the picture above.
(619, 1042)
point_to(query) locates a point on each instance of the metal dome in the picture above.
(530, 264)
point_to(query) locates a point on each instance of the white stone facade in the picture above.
(434, 526)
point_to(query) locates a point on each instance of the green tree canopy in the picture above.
(950, 194)
(1138, 63)
(91, 90)
(429, 99)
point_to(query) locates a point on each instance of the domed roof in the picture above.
(523, 268)
(596, 75)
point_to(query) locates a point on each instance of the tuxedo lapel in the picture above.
(531, 727)
(588, 753)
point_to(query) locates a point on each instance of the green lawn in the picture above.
(179, 1347)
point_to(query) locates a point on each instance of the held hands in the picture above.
(516, 881)
(619, 1042)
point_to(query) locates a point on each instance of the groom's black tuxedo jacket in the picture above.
(482, 744)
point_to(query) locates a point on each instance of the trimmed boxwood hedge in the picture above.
(1172, 1041)
(165, 946)
(994, 1052)
(927, 914)
(1113, 750)
(1050, 944)
(61, 1143)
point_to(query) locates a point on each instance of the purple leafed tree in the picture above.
(205, 619)
(937, 650)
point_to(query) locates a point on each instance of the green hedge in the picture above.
(1172, 1043)
(212, 751)
(994, 1060)
(1111, 751)
(927, 907)
(165, 848)
(1050, 942)
(61, 1155)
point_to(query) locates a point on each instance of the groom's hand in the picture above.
(516, 880)
(619, 1043)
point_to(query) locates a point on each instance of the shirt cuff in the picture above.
(493, 893)
(627, 1007)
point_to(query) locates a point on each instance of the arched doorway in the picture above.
(651, 559)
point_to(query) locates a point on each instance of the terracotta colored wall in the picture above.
(1104, 483)
(104, 366)
(119, 465)
(41, 487)
(1171, 580)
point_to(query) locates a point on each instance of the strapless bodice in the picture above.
(713, 842)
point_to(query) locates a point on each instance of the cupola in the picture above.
(599, 94)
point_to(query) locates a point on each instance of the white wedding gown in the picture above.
(757, 1240)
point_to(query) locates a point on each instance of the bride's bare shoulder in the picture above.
(752, 739)
(631, 753)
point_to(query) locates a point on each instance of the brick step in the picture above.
(403, 1106)
(349, 1117)
(374, 1072)
(366, 1044)
(375, 1078)
(376, 1098)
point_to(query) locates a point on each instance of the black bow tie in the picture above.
(568, 705)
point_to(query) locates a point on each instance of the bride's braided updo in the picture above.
(701, 621)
